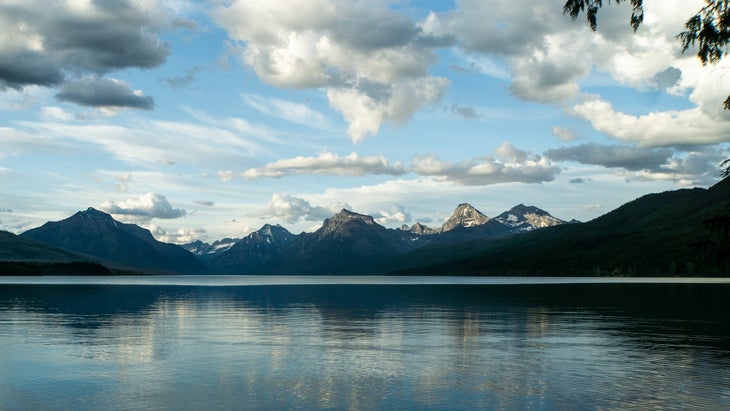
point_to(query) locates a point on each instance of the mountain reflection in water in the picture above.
(556, 346)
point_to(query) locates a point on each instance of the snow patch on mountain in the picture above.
(523, 218)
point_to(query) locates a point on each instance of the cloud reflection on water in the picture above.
(365, 346)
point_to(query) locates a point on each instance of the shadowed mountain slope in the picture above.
(343, 241)
(97, 234)
(657, 234)
(251, 254)
(17, 248)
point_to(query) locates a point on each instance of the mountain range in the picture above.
(659, 234)
(97, 234)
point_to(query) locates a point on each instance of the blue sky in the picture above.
(204, 120)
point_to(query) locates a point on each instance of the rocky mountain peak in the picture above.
(419, 228)
(345, 216)
(268, 229)
(464, 216)
(96, 216)
(269, 233)
(97, 234)
(527, 218)
(341, 219)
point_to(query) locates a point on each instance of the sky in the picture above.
(207, 119)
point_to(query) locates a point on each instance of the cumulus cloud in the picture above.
(103, 92)
(549, 73)
(640, 163)
(508, 164)
(150, 205)
(24, 67)
(365, 110)
(293, 209)
(179, 236)
(375, 76)
(327, 163)
(546, 55)
(689, 169)
(656, 129)
(630, 158)
(396, 214)
(79, 38)
(534, 39)
(347, 48)
(667, 78)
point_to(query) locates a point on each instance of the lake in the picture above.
(361, 343)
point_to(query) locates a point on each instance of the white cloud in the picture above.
(630, 158)
(326, 163)
(225, 175)
(656, 129)
(123, 182)
(179, 236)
(150, 205)
(396, 214)
(56, 113)
(144, 142)
(14, 142)
(54, 47)
(547, 53)
(548, 73)
(365, 112)
(564, 133)
(509, 165)
(376, 76)
(289, 111)
(293, 209)
(333, 45)
(691, 169)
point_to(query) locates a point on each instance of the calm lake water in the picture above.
(354, 343)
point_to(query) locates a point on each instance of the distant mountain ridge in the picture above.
(653, 231)
(97, 234)
(343, 242)
(206, 251)
(250, 254)
(527, 218)
(346, 242)
(681, 232)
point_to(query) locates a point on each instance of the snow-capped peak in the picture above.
(527, 218)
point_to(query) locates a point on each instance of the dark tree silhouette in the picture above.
(575, 7)
(708, 29)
